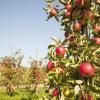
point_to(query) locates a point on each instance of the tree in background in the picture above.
(18, 56)
(8, 74)
(34, 73)
(11, 71)
(74, 63)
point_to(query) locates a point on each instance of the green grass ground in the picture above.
(24, 94)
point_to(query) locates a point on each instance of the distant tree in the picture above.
(34, 73)
(8, 73)
(11, 71)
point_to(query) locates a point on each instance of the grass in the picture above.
(24, 94)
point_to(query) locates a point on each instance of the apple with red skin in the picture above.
(96, 28)
(79, 2)
(87, 14)
(66, 34)
(72, 38)
(55, 92)
(90, 97)
(86, 69)
(77, 26)
(82, 3)
(97, 1)
(60, 51)
(68, 14)
(50, 65)
(53, 12)
(82, 21)
(68, 7)
(87, 97)
(96, 40)
(61, 70)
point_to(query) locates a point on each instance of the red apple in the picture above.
(87, 14)
(53, 12)
(68, 7)
(96, 28)
(66, 34)
(50, 65)
(61, 70)
(98, 1)
(60, 51)
(83, 97)
(67, 14)
(86, 69)
(87, 97)
(72, 38)
(96, 40)
(55, 92)
(82, 21)
(90, 97)
(77, 26)
(79, 2)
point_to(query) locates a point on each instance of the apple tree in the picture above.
(74, 63)
(11, 71)
(8, 74)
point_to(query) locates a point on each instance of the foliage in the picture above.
(23, 94)
(80, 20)
(8, 73)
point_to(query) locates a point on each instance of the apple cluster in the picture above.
(74, 58)
(79, 16)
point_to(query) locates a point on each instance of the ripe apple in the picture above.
(87, 97)
(96, 40)
(72, 38)
(79, 2)
(87, 14)
(53, 12)
(60, 70)
(96, 28)
(90, 97)
(98, 1)
(60, 51)
(82, 21)
(50, 65)
(68, 7)
(68, 14)
(86, 69)
(66, 34)
(77, 26)
(55, 92)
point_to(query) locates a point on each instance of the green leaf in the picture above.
(65, 61)
(50, 46)
(71, 81)
(52, 73)
(64, 42)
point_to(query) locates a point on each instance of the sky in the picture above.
(23, 26)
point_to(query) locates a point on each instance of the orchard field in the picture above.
(22, 83)
(72, 70)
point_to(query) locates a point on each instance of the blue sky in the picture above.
(23, 26)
